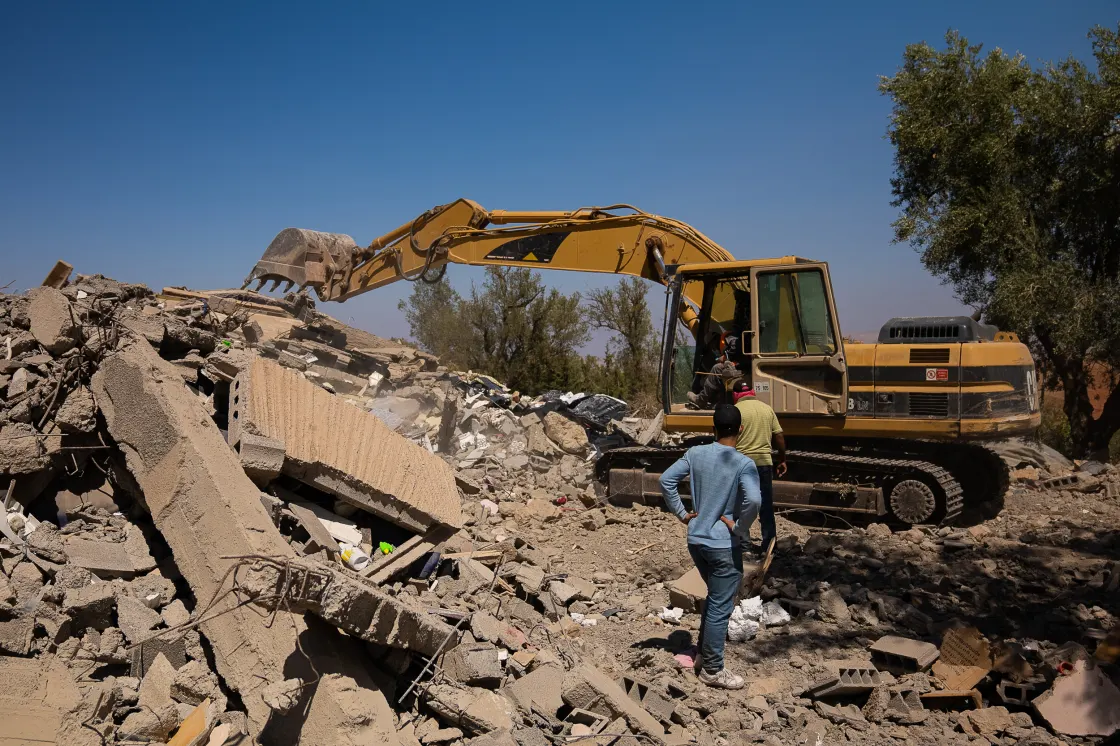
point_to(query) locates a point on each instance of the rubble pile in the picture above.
(231, 518)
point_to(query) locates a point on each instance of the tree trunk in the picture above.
(1104, 427)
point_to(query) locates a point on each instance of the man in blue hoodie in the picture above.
(725, 502)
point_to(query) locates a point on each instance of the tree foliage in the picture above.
(512, 328)
(1008, 180)
(633, 349)
(529, 336)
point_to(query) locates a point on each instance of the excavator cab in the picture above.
(774, 320)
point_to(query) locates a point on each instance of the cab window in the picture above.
(793, 314)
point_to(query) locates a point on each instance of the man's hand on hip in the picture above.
(688, 517)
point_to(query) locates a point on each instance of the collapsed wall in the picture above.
(208, 510)
(341, 449)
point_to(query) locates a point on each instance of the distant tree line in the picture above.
(529, 336)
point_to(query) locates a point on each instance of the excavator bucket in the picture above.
(301, 257)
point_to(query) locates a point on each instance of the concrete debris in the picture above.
(176, 456)
(902, 655)
(1084, 702)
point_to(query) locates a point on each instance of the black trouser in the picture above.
(766, 513)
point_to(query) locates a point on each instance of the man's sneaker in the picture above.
(722, 680)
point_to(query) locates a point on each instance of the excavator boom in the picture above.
(618, 239)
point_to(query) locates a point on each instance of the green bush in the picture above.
(1054, 429)
(1114, 448)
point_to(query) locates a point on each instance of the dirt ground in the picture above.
(1033, 578)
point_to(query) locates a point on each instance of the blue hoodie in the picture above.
(724, 483)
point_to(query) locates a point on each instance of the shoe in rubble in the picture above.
(723, 679)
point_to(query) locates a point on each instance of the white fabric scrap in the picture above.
(670, 614)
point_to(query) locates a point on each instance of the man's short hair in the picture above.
(727, 420)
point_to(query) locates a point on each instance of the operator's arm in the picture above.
(669, 481)
(780, 442)
(750, 499)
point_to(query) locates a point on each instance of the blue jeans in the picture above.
(722, 571)
(766, 512)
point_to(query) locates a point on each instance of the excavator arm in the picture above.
(619, 239)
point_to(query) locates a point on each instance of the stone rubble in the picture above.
(195, 516)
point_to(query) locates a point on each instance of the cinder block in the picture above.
(845, 682)
(262, 458)
(1020, 693)
(902, 655)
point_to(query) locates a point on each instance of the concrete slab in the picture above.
(342, 449)
(1084, 703)
(108, 559)
(206, 507)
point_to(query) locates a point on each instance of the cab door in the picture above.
(796, 351)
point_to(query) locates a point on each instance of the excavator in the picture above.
(896, 429)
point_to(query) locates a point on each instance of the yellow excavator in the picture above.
(894, 429)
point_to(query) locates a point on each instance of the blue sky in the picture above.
(168, 143)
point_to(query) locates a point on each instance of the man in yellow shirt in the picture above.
(760, 425)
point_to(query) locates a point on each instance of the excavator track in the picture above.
(926, 488)
(890, 472)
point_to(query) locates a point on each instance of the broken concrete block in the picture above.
(58, 276)
(688, 591)
(26, 580)
(562, 593)
(1019, 693)
(1083, 703)
(24, 450)
(590, 689)
(91, 606)
(901, 655)
(846, 681)
(51, 321)
(155, 687)
(194, 683)
(474, 710)
(36, 695)
(342, 449)
(78, 413)
(205, 507)
(110, 559)
(988, 722)
(16, 634)
(473, 664)
(150, 725)
(485, 626)
(175, 614)
(262, 458)
(253, 332)
(567, 434)
(135, 619)
(538, 442)
(542, 688)
(46, 542)
(832, 608)
(529, 577)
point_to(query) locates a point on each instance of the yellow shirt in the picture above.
(759, 425)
